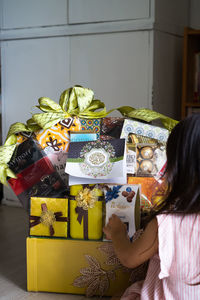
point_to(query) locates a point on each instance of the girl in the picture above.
(171, 240)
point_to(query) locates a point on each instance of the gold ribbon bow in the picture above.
(6, 151)
(147, 115)
(76, 101)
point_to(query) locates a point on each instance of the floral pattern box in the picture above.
(79, 267)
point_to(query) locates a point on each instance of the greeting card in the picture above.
(97, 161)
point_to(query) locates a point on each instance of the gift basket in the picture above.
(72, 166)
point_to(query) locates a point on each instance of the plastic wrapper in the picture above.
(55, 141)
(152, 191)
(35, 174)
(111, 128)
(146, 157)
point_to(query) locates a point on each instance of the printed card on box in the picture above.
(97, 162)
(124, 201)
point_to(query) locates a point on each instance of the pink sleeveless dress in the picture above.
(173, 273)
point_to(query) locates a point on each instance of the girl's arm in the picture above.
(133, 254)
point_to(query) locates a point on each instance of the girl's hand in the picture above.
(114, 227)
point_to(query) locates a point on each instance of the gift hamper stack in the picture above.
(72, 167)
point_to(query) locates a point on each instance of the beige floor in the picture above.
(13, 232)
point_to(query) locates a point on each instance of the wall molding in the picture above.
(89, 28)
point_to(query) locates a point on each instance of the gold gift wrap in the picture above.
(86, 222)
(48, 217)
(77, 267)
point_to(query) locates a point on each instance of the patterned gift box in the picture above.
(86, 208)
(55, 142)
(131, 126)
(48, 217)
(93, 125)
(77, 267)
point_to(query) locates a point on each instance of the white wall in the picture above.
(127, 51)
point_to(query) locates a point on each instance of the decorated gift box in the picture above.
(124, 201)
(86, 212)
(35, 174)
(93, 125)
(144, 129)
(48, 217)
(64, 265)
(77, 267)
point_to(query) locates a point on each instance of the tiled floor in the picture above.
(13, 232)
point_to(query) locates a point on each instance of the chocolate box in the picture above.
(35, 173)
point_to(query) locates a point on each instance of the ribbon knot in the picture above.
(47, 218)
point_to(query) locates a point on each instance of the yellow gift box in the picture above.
(86, 223)
(48, 217)
(77, 267)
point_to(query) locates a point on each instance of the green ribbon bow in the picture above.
(76, 101)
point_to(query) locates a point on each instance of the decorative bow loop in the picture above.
(6, 152)
(14, 129)
(147, 115)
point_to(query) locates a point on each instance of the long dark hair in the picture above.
(183, 169)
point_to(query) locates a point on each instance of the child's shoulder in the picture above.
(177, 224)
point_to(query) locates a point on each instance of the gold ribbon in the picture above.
(147, 115)
(86, 198)
(6, 151)
(76, 101)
